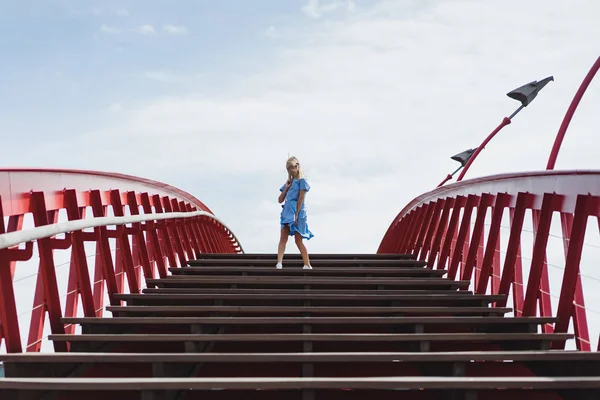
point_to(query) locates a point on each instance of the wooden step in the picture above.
(270, 290)
(313, 256)
(315, 337)
(330, 271)
(241, 383)
(271, 310)
(316, 263)
(315, 299)
(363, 320)
(286, 281)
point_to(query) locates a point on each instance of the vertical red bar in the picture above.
(152, 236)
(9, 322)
(175, 234)
(549, 204)
(423, 229)
(459, 203)
(545, 305)
(15, 223)
(493, 237)
(48, 277)
(164, 232)
(484, 202)
(433, 223)
(186, 236)
(139, 240)
(79, 266)
(580, 326)
(583, 208)
(106, 262)
(123, 243)
(462, 236)
(441, 228)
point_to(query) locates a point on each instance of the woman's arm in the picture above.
(281, 197)
(299, 204)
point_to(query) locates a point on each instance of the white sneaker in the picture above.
(278, 266)
(306, 267)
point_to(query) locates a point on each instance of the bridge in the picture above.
(123, 287)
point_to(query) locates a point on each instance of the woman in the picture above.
(293, 214)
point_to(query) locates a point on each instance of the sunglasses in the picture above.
(293, 166)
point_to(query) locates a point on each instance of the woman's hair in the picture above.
(291, 161)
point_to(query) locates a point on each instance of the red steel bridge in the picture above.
(113, 286)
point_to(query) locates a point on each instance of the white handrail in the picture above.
(41, 232)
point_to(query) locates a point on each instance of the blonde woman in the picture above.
(293, 214)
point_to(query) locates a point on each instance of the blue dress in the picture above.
(289, 209)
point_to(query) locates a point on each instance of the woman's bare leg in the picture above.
(302, 249)
(285, 231)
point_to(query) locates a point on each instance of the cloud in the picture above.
(316, 9)
(145, 29)
(271, 32)
(373, 105)
(175, 30)
(164, 77)
(111, 30)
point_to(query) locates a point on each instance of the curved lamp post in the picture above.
(462, 158)
(570, 111)
(525, 94)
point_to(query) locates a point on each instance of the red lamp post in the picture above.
(525, 94)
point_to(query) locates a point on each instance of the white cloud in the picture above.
(175, 30)
(165, 77)
(111, 30)
(316, 9)
(145, 29)
(271, 32)
(115, 107)
(374, 106)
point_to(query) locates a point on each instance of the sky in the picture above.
(373, 97)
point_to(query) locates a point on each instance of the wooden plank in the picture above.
(321, 357)
(311, 310)
(307, 280)
(408, 271)
(181, 290)
(412, 383)
(309, 296)
(313, 337)
(315, 256)
(316, 263)
(308, 320)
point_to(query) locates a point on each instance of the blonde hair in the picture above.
(293, 160)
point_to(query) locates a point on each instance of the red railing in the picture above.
(121, 258)
(477, 230)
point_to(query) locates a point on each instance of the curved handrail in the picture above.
(10, 239)
(460, 228)
(38, 181)
(545, 181)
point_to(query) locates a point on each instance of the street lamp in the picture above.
(525, 94)
(462, 158)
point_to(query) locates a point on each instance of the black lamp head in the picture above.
(526, 93)
(463, 158)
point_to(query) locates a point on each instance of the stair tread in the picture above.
(313, 337)
(528, 355)
(296, 320)
(416, 383)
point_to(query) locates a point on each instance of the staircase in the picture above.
(355, 327)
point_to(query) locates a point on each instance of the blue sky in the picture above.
(373, 96)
